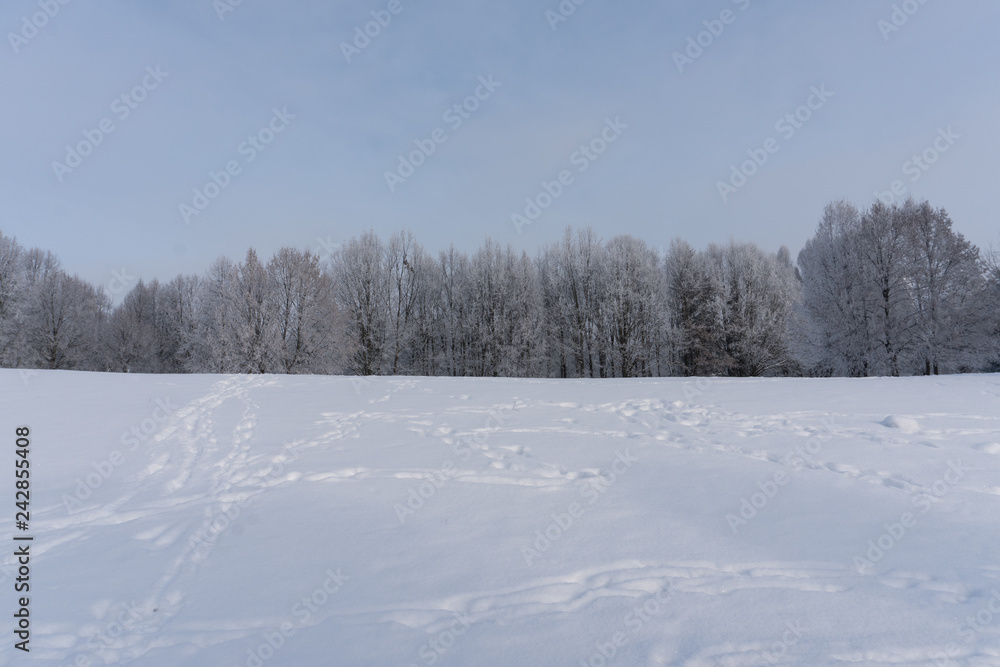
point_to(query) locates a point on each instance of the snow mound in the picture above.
(904, 424)
(990, 447)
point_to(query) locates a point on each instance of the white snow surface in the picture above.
(275, 520)
(904, 424)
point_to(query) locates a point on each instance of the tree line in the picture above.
(889, 290)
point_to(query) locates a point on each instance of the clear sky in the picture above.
(198, 80)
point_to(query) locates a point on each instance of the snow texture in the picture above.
(283, 520)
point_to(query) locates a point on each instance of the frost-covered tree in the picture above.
(48, 318)
(213, 344)
(256, 323)
(884, 254)
(632, 308)
(759, 292)
(12, 294)
(695, 312)
(991, 350)
(131, 335)
(503, 313)
(405, 264)
(363, 289)
(446, 323)
(955, 313)
(525, 341)
(63, 321)
(37, 264)
(838, 298)
(893, 291)
(571, 274)
(177, 324)
(890, 290)
(305, 313)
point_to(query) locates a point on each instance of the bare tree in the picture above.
(130, 337)
(895, 291)
(404, 264)
(695, 312)
(884, 254)
(12, 293)
(571, 275)
(633, 307)
(63, 322)
(759, 292)
(453, 329)
(363, 289)
(255, 325)
(954, 311)
(177, 324)
(213, 345)
(839, 336)
(305, 312)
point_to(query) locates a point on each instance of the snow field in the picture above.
(278, 520)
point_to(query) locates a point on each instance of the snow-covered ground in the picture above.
(225, 520)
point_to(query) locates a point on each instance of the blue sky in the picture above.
(323, 175)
